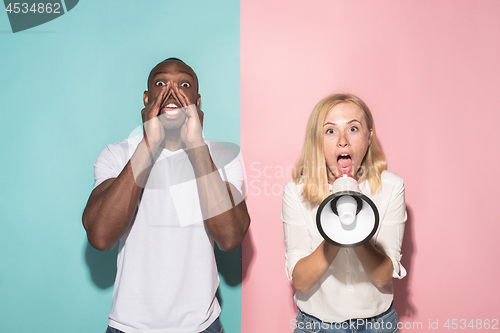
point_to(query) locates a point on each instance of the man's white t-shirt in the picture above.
(166, 272)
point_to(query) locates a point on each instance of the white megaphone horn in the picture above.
(347, 218)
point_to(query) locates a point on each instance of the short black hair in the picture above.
(174, 59)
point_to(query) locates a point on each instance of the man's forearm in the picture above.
(223, 207)
(113, 204)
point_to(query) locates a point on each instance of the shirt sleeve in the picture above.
(390, 236)
(109, 164)
(228, 164)
(297, 238)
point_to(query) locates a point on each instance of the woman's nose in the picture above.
(343, 142)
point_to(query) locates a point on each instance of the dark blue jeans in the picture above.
(386, 322)
(216, 327)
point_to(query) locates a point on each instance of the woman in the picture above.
(341, 289)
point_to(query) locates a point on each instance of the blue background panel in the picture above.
(68, 88)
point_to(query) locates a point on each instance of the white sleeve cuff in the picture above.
(399, 271)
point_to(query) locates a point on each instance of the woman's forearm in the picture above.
(376, 264)
(309, 270)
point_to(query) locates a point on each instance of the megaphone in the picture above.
(347, 218)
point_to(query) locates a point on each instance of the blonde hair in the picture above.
(311, 169)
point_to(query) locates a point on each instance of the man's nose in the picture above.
(170, 84)
(170, 88)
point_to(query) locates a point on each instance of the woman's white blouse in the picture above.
(345, 291)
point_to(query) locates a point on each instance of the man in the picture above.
(165, 196)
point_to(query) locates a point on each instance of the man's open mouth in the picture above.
(170, 109)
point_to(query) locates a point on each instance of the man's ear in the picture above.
(198, 101)
(145, 98)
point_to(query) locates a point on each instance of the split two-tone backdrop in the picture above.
(428, 70)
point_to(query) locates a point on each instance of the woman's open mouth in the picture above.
(344, 163)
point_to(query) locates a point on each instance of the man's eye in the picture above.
(161, 83)
(185, 85)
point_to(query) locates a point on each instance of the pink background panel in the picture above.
(430, 72)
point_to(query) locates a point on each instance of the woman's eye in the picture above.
(185, 85)
(353, 129)
(161, 83)
(330, 131)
